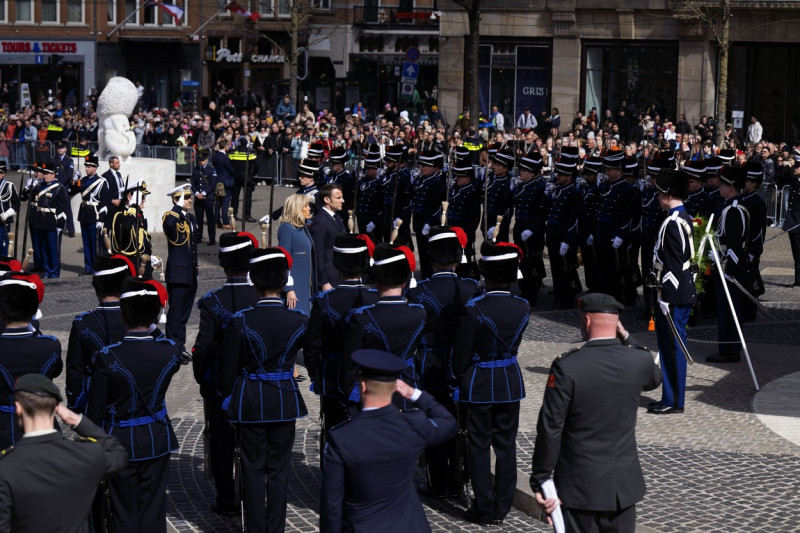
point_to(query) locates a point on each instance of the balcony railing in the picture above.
(394, 16)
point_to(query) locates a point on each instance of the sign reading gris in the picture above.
(224, 54)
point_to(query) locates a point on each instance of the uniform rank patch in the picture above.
(551, 381)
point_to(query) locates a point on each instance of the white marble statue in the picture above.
(115, 105)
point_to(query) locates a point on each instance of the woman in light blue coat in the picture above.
(293, 236)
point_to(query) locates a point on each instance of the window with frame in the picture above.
(75, 11)
(132, 7)
(264, 7)
(24, 11)
(3, 11)
(168, 20)
(283, 8)
(323, 4)
(111, 11)
(49, 10)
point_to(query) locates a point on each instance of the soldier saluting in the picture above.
(9, 206)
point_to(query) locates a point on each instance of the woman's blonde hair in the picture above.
(293, 210)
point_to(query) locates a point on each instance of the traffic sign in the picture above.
(407, 90)
(412, 54)
(410, 72)
(39, 59)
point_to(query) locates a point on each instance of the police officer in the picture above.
(9, 207)
(733, 230)
(181, 230)
(444, 297)
(49, 220)
(369, 200)
(429, 192)
(592, 393)
(490, 382)
(344, 178)
(758, 227)
(327, 326)
(392, 323)
(129, 235)
(370, 460)
(65, 173)
(500, 196)
(127, 398)
(95, 329)
(629, 254)
(530, 214)
(95, 202)
(204, 182)
(673, 257)
(217, 308)
(22, 349)
(697, 201)
(397, 194)
(464, 211)
(245, 169)
(46, 481)
(592, 167)
(563, 210)
(261, 396)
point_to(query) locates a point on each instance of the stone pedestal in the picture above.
(158, 174)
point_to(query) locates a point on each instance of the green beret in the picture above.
(597, 302)
(38, 384)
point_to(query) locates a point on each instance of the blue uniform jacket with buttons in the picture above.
(52, 204)
(427, 203)
(733, 230)
(587, 218)
(95, 199)
(614, 218)
(499, 198)
(564, 208)
(758, 222)
(204, 180)
(464, 208)
(698, 204)
(530, 212)
(402, 204)
(370, 202)
(652, 215)
(65, 169)
(672, 256)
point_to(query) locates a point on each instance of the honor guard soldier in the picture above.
(245, 169)
(307, 175)
(129, 235)
(216, 313)
(564, 208)
(444, 297)
(674, 268)
(204, 182)
(733, 231)
(490, 382)
(391, 324)
(343, 178)
(314, 158)
(697, 201)
(327, 325)
(48, 482)
(713, 168)
(369, 461)
(369, 202)
(758, 228)
(95, 201)
(9, 207)
(23, 350)
(181, 230)
(464, 211)
(429, 192)
(65, 173)
(629, 254)
(652, 217)
(613, 225)
(397, 195)
(585, 436)
(529, 225)
(93, 330)
(127, 398)
(500, 195)
(48, 221)
(592, 167)
(262, 398)
(28, 194)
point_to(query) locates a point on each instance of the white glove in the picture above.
(664, 307)
(490, 233)
(264, 219)
(3, 217)
(426, 229)
(751, 256)
(58, 231)
(728, 277)
(616, 243)
(395, 222)
(526, 235)
(564, 249)
(99, 226)
(370, 227)
(590, 240)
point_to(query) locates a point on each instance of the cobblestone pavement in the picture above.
(715, 468)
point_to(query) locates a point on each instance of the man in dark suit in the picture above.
(180, 228)
(325, 227)
(116, 184)
(586, 428)
(47, 483)
(368, 472)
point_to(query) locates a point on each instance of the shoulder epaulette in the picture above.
(170, 212)
(416, 305)
(164, 338)
(565, 354)
(41, 335)
(340, 424)
(639, 346)
(106, 349)
(296, 310)
(85, 439)
(5, 452)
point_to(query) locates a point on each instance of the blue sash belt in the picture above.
(497, 363)
(271, 376)
(143, 420)
(7, 409)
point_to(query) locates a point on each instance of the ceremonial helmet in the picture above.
(269, 268)
(446, 245)
(500, 261)
(109, 273)
(393, 265)
(20, 296)
(352, 254)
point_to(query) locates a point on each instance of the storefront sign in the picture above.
(36, 47)
(223, 54)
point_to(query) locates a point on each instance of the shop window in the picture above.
(49, 10)
(24, 11)
(131, 7)
(111, 11)
(75, 11)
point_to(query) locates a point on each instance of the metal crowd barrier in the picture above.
(784, 205)
(769, 194)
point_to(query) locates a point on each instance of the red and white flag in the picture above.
(236, 8)
(173, 10)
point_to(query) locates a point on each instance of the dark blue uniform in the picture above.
(48, 219)
(95, 201)
(204, 180)
(716, 201)
(264, 400)
(347, 181)
(464, 211)
(530, 215)
(586, 228)
(629, 252)
(490, 383)
(500, 202)
(733, 229)
(392, 325)
(217, 308)
(180, 229)
(698, 204)
(397, 194)
(324, 347)
(564, 208)
(652, 217)
(9, 208)
(65, 172)
(427, 210)
(23, 351)
(613, 220)
(755, 247)
(127, 398)
(370, 205)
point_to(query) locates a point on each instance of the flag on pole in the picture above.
(172, 9)
(236, 8)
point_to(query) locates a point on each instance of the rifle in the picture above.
(207, 470)
(246, 183)
(238, 481)
(106, 510)
(446, 202)
(486, 195)
(31, 192)
(17, 217)
(271, 201)
(353, 213)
